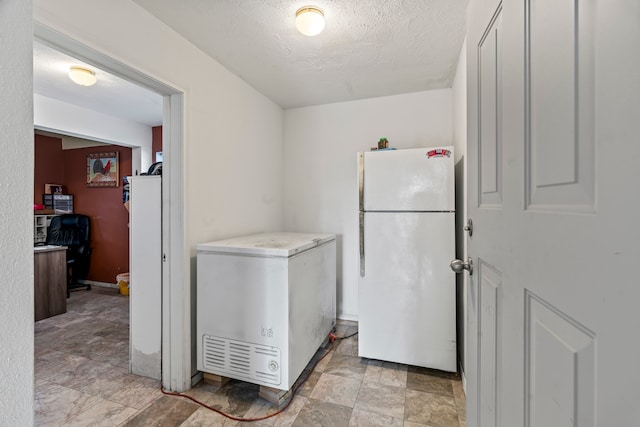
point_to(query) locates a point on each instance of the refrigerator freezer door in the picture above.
(407, 311)
(419, 179)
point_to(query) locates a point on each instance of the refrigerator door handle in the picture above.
(361, 244)
(361, 203)
(361, 180)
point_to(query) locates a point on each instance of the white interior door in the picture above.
(485, 206)
(553, 155)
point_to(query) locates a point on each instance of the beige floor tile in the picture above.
(135, 391)
(307, 388)
(103, 413)
(347, 346)
(320, 360)
(164, 411)
(381, 399)
(346, 366)
(207, 394)
(371, 419)
(431, 409)
(429, 382)
(393, 374)
(53, 362)
(461, 401)
(263, 408)
(203, 417)
(55, 405)
(317, 413)
(336, 389)
(373, 371)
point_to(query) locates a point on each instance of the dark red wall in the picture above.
(48, 164)
(109, 218)
(156, 143)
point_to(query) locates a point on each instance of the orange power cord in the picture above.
(332, 338)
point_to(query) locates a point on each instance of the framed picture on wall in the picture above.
(102, 169)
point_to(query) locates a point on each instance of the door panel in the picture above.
(560, 246)
(560, 367)
(551, 45)
(489, 284)
(559, 83)
(490, 113)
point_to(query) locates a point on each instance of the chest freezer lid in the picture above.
(282, 244)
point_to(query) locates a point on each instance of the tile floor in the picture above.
(81, 379)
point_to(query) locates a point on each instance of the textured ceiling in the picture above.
(369, 48)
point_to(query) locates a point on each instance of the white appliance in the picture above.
(265, 304)
(145, 264)
(406, 291)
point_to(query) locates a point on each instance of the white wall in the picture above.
(232, 150)
(459, 90)
(320, 146)
(60, 117)
(233, 134)
(16, 226)
(459, 95)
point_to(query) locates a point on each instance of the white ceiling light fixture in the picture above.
(310, 20)
(82, 76)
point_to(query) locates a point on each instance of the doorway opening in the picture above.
(176, 367)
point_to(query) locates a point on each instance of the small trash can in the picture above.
(122, 280)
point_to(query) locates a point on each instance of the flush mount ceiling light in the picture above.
(82, 76)
(310, 20)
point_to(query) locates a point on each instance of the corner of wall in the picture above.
(459, 104)
(16, 227)
(459, 112)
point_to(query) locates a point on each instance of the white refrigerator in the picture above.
(145, 266)
(406, 290)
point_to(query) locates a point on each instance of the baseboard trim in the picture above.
(348, 317)
(102, 284)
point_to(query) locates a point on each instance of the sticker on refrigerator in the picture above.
(439, 152)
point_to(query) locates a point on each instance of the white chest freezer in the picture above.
(265, 303)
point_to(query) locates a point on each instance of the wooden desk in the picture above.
(50, 281)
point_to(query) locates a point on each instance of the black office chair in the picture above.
(73, 231)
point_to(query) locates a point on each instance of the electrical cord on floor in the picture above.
(348, 336)
(332, 338)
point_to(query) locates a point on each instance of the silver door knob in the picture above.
(458, 265)
(469, 227)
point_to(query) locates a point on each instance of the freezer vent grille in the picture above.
(241, 360)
